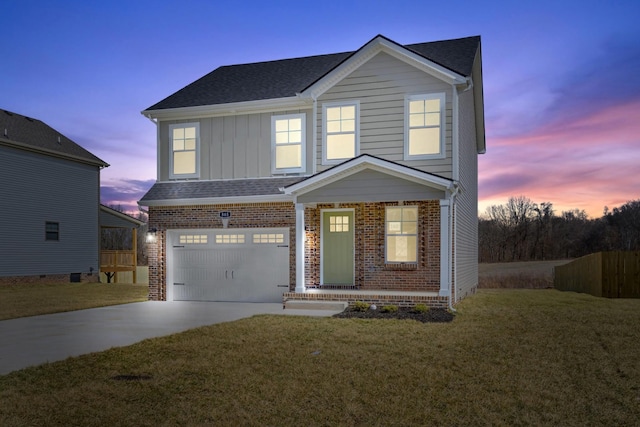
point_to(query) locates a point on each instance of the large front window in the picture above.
(341, 124)
(184, 146)
(288, 143)
(424, 126)
(401, 231)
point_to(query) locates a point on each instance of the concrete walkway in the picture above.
(35, 340)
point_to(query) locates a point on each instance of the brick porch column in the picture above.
(300, 238)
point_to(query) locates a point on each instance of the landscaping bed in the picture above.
(432, 315)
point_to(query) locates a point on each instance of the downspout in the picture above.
(452, 259)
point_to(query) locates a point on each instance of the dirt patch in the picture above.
(438, 315)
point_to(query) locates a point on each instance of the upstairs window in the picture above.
(288, 143)
(52, 231)
(424, 126)
(341, 131)
(184, 145)
(401, 233)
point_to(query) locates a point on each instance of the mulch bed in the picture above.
(438, 315)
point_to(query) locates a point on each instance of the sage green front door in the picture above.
(337, 247)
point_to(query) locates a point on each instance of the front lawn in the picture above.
(510, 357)
(32, 299)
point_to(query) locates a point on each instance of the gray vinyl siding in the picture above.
(466, 214)
(37, 189)
(233, 147)
(370, 186)
(380, 85)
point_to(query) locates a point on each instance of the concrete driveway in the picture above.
(36, 340)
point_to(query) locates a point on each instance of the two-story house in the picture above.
(347, 176)
(50, 204)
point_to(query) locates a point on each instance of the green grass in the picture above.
(511, 357)
(23, 300)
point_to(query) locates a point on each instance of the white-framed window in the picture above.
(401, 234)
(229, 239)
(268, 238)
(193, 239)
(52, 231)
(424, 126)
(341, 131)
(184, 148)
(288, 143)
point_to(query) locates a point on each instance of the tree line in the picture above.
(522, 230)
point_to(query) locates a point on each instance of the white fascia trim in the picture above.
(377, 45)
(349, 168)
(202, 111)
(219, 200)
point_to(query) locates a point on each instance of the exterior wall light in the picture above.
(151, 235)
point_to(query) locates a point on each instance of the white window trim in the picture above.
(181, 175)
(443, 120)
(326, 105)
(386, 261)
(303, 160)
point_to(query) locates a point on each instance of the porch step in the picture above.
(316, 305)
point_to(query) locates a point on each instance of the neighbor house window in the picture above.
(401, 233)
(184, 143)
(52, 231)
(288, 143)
(341, 131)
(424, 126)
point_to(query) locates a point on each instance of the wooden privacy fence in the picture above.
(112, 262)
(603, 274)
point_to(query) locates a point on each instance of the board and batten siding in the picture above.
(232, 147)
(370, 186)
(36, 189)
(466, 212)
(381, 85)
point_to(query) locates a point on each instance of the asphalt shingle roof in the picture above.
(286, 77)
(34, 133)
(209, 189)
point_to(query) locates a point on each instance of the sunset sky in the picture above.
(561, 78)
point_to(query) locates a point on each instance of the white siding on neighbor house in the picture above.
(380, 85)
(370, 186)
(466, 214)
(37, 189)
(233, 146)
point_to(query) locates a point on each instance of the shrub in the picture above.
(421, 308)
(360, 306)
(389, 309)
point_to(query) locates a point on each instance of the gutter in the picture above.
(452, 259)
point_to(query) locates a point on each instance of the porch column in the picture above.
(445, 249)
(300, 238)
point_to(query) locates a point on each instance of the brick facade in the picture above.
(371, 272)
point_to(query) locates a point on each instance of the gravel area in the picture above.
(433, 315)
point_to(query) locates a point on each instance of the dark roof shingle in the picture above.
(178, 190)
(286, 77)
(16, 128)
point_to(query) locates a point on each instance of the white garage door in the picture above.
(249, 265)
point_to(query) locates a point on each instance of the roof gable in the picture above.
(31, 134)
(288, 77)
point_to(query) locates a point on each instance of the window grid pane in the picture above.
(288, 140)
(340, 132)
(338, 224)
(225, 239)
(184, 146)
(424, 123)
(268, 238)
(194, 239)
(401, 238)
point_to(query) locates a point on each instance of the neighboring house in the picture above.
(348, 176)
(49, 213)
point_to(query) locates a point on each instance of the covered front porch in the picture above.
(374, 231)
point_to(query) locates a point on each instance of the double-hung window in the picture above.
(288, 143)
(52, 231)
(424, 126)
(401, 234)
(340, 131)
(184, 146)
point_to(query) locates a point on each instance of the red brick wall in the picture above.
(371, 272)
(250, 215)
